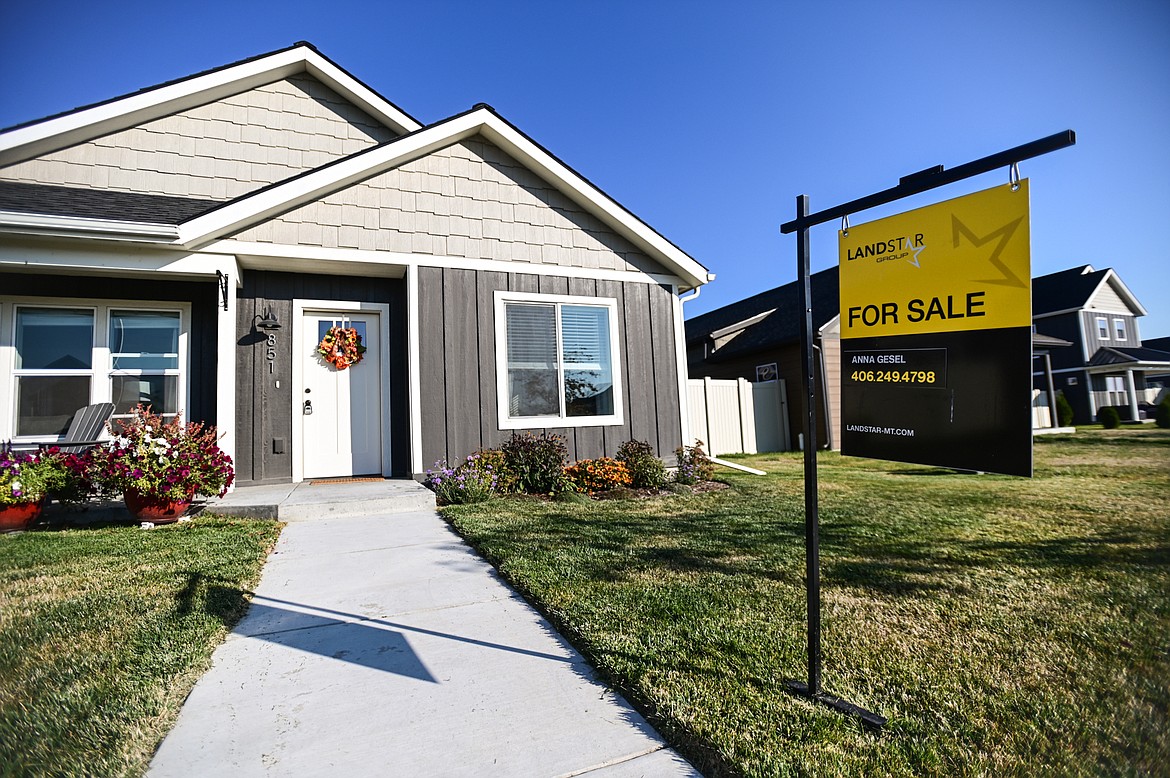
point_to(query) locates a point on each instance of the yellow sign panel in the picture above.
(963, 264)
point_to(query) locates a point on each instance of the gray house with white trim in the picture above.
(188, 245)
(1104, 362)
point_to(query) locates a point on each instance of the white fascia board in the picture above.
(356, 92)
(588, 196)
(279, 256)
(275, 200)
(134, 109)
(72, 226)
(75, 258)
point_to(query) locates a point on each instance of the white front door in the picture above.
(341, 410)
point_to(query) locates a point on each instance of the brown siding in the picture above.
(457, 345)
(263, 412)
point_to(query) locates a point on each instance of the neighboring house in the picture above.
(188, 246)
(1107, 363)
(1085, 345)
(758, 338)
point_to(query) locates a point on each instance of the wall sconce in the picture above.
(268, 320)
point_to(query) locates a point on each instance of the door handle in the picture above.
(308, 409)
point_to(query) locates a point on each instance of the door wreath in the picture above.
(341, 347)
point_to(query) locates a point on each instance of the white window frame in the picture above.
(1102, 328)
(1119, 329)
(101, 370)
(502, 298)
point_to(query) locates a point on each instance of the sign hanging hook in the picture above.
(1014, 176)
(845, 225)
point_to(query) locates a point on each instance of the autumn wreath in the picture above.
(341, 347)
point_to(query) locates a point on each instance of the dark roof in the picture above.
(1158, 344)
(778, 328)
(46, 200)
(1065, 290)
(1117, 355)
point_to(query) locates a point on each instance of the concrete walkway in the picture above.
(381, 645)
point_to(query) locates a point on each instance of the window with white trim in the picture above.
(1102, 328)
(144, 360)
(53, 372)
(69, 354)
(1119, 329)
(557, 361)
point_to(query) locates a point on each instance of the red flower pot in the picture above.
(157, 510)
(19, 515)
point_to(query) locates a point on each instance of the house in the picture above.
(192, 244)
(758, 338)
(1107, 364)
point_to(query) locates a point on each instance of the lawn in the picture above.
(103, 632)
(1006, 626)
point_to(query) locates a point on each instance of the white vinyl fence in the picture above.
(736, 416)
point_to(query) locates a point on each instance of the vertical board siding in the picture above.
(460, 355)
(432, 367)
(265, 412)
(488, 283)
(458, 364)
(669, 424)
(643, 408)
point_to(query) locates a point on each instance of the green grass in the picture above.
(103, 632)
(1005, 626)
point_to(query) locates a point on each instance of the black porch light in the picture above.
(268, 321)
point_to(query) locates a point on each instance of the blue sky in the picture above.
(707, 119)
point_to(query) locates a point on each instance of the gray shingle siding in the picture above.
(217, 151)
(469, 200)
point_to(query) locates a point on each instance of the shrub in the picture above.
(473, 480)
(693, 464)
(1162, 413)
(1064, 410)
(537, 462)
(493, 459)
(1109, 417)
(646, 470)
(598, 475)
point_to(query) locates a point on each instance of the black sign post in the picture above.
(915, 183)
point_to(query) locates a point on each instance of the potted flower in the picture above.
(25, 480)
(161, 466)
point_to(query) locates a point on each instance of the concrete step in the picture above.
(311, 500)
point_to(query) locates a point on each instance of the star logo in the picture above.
(1004, 234)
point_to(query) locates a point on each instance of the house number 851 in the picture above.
(270, 354)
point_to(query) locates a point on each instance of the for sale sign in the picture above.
(936, 335)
